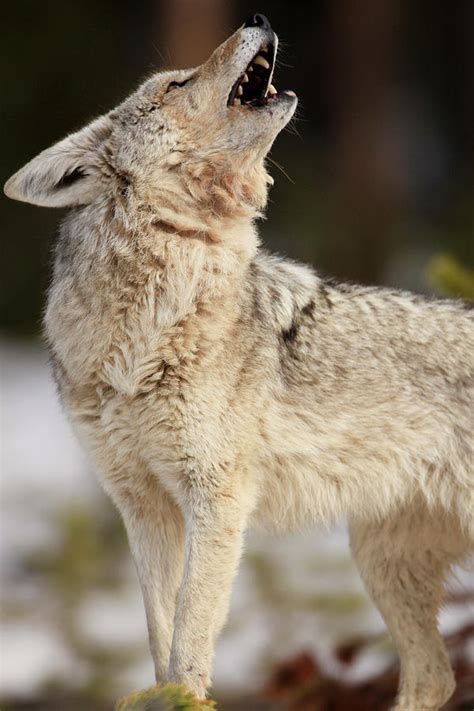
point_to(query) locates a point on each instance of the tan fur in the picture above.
(218, 387)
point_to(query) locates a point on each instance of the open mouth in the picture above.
(253, 88)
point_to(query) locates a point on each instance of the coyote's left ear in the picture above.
(66, 174)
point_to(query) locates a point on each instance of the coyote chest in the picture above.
(146, 398)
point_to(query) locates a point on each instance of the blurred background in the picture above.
(374, 183)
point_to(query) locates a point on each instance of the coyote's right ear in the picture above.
(66, 174)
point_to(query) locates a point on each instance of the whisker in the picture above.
(291, 128)
(159, 53)
(280, 167)
(279, 63)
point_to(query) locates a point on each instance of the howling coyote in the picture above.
(217, 387)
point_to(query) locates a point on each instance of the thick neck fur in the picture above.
(136, 275)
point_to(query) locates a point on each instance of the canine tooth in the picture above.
(271, 90)
(240, 91)
(250, 68)
(237, 102)
(260, 60)
(244, 79)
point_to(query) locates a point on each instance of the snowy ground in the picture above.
(43, 468)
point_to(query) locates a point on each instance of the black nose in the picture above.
(258, 21)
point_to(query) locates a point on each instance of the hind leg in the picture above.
(404, 572)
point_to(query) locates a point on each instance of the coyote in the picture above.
(217, 387)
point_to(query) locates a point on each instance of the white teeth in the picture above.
(271, 90)
(244, 79)
(260, 60)
(240, 91)
(237, 102)
(250, 69)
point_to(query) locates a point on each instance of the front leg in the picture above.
(214, 531)
(155, 531)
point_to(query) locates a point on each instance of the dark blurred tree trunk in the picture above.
(455, 87)
(189, 30)
(366, 168)
(467, 35)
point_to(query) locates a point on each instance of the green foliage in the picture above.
(167, 697)
(278, 595)
(450, 278)
(90, 544)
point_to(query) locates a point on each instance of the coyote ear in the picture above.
(66, 174)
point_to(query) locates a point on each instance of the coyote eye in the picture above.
(175, 85)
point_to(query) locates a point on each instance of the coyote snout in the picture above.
(225, 112)
(218, 387)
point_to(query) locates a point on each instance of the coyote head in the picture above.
(195, 136)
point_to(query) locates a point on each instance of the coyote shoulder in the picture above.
(217, 387)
